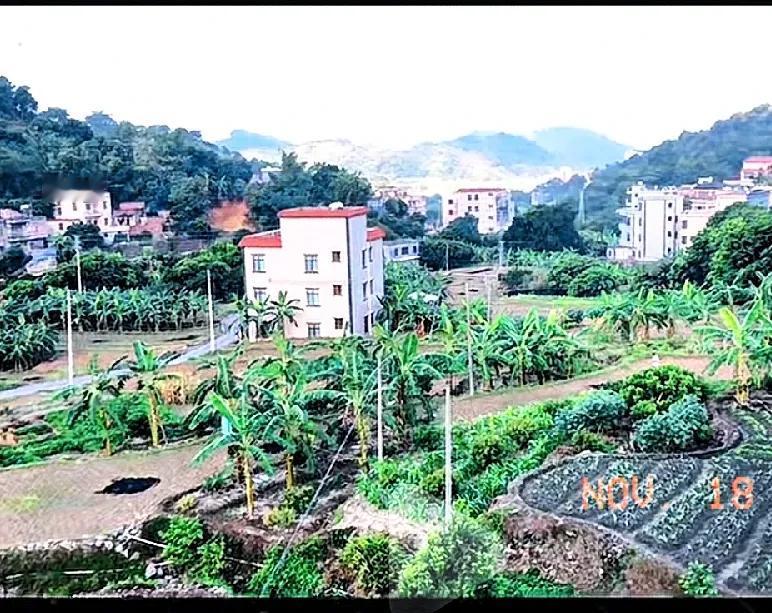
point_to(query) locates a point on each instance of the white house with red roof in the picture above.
(328, 260)
(756, 166)
(492, 206)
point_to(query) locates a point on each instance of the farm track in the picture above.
(679, 526)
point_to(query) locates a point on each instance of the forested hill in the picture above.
(174, 169)
(717, 152)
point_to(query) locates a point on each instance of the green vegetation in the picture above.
(681, 427)
(187, 549)
(375, 560)
(661, 386)
(698, 580)
(301, 574)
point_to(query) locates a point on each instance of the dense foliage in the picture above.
(684, 425)
(698, 580)
(662, 386)
(545, 228)
(375, 560)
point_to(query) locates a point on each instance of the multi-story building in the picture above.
(129, 214)
(756, 166)
(658, 223)
(761, 196)
(328, 260)
(416, 203)
(493, 208)
(21, 228)
(73, 206)
(401, 250)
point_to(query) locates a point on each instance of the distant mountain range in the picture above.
(509, 160)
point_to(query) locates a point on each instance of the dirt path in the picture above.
(472, 407)
(57, 500)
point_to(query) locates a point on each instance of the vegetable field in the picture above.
(711, 510)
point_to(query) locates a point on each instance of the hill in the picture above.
(718, 151)
(242, 141)
(507, 150)
(580, 148)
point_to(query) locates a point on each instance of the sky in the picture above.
(395, 76)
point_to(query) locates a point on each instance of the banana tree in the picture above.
(245, 435)
(93, 400)
(285, 311)
(360, 391)
(147, 367)
(742, 342)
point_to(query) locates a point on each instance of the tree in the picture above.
(88, 235)
(359, 384)
(245, 434)
(463, 229)
(285, 311)
(545, 228)
(13, 261)
(436, 253)
(147, 367)
(93, 400)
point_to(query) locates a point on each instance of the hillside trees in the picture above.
(545, 228)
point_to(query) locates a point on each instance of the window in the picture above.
(104, 206)
(669, 251)
(683, 223)
(314, 330)
(312, 263)
(88, 206)
(337, 290)
(364, 258)
(670, 205)
(670, 218)
(683, 240)
(415, 248)
(312, 296)
(640, 221)
(366, 322)
(396, 252)
(61, 226)
(105, 220)
(669, 233)
(476, 196)
(370, 254)
(371, 286)
(364, 290)
(450, 213)
(258, 262)
(336, 256)
(74, 206)
(490, 217)
(469, 197)
(450, 201)
(261, 294)
(339, 323)
(404, 250)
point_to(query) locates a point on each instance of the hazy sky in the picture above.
(395, 76)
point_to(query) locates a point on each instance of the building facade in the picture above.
(756, 166)
(73, 206)
(493, 208)
(416, 203)
(29, 232)
(659, 222)
(328, 260)
(401, 250)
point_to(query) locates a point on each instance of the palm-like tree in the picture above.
(743, 342)
(224, 383)
(285, 310)
(259, 312)
(360, 390)
(451, 336)
(147, 367)
(93, 400)
(245, 435)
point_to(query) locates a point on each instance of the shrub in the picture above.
(517, 585)
(211, 562)
(643, 409)
(600, 411)
(662, 385)
(591, 441)
(281, 516)
(698, 580)
(181, 540)
(185, 504)
(298, 498)
(682, 427)
(453, 563)
(376, 561)
(598, 278)
(219, 480)
(299, 576)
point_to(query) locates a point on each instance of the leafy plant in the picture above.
(518, 585)
(600, 412)
(299, 577)
(281, 516)
(682, 427)
(662, 385)
(182, 538)
(698, 580)
(376, 561)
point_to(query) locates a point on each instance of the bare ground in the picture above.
(58, 500)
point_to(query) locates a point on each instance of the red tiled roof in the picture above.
(764, 159)
(323, 212)
(374, 234)
(480, 189)
(131, 206)
(154, 225)
(272, 239)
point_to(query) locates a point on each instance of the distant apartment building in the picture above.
(129, 214)
(493, 208)
(659, 222)
(401, 250)
(416, 203)
(761, 196)
(73, 206)
(328, 260)
(21, 228)
(756, 166)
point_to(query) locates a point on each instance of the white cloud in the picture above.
(394, 75)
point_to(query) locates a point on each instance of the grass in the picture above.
(20, 504)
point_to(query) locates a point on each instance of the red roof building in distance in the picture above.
(756, 166)
(323, 212)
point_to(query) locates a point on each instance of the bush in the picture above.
(698, 580)
(299, 577)
(681, 428)
(599, 412)
(644, 409)
(591, 441)
(598, 278)
(376, 561)
(662, 385)
(281, 517)
(181, 540)
(454, 563)
(211, 562)
(518, 585)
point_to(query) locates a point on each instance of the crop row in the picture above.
(756, 574)
(552, 487)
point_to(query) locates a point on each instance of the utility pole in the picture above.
(380, 410)
(70, 360)
(488, 287)
(447, 257)
(77, 264)
(470, 364)
(211, 310)
(501, 253)
(448, 462)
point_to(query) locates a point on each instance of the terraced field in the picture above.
(715, 510)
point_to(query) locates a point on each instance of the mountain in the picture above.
(505, 149)
(580, 148)
(244, 142)
(718, 151)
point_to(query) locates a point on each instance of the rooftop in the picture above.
(480, 189)
(759, 159)
(272, 238)
(322, 212)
